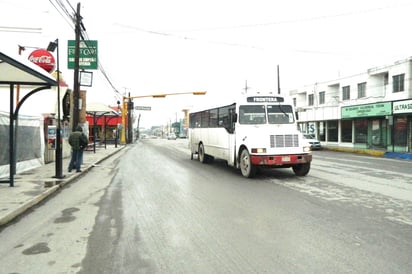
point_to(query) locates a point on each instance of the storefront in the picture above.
(367, 126)
(402, 125)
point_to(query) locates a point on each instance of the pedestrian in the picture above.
(78, 141)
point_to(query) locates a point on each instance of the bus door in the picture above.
(232, 137)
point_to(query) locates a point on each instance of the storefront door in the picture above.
(378, 133)
(410, 135)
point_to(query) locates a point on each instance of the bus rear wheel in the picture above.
(301, 169)
(201, 154)
(248, 170)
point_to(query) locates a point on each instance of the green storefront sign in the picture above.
(88, 54)
(369, 110)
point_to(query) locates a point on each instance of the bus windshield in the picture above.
(256, 114)
(252, 115)
(280, 114)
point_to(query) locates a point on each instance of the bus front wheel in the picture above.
(301, 169)
(248, 170)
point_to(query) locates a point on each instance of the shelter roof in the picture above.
(14, 69)
(100, 109)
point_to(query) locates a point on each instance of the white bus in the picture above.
(252, 132)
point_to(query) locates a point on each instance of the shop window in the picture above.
(332, 130)
(361, 131)
(346, 131)
(400, 131)
(303, 127)
(378, 132)
(410, 135)
(321, 131)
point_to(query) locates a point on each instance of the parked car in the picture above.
(171, 136)
(314, 143)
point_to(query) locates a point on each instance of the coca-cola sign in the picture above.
(43, 59)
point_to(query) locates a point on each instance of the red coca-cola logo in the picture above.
(43, 59)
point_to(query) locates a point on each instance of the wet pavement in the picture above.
(33, 186)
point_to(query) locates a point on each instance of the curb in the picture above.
(371, 152)
(23, 208)
(50, 190)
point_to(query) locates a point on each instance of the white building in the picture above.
(368, 111)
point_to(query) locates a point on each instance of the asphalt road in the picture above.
(151, 209)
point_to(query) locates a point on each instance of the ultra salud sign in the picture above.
(402, 107)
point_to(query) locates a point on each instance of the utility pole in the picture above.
(130, 107)
(76, 83)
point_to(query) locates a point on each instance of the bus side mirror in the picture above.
(234, 117)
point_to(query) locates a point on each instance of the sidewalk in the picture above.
(32, 186)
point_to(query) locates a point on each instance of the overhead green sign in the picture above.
(369, 110)
(88, 54)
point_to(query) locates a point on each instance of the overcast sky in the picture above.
(163, 46)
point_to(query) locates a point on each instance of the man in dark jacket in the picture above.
(78, 141)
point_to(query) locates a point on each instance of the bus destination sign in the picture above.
(264, 99)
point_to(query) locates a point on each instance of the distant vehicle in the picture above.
(171, 136)
(314, 143)
(249, 133)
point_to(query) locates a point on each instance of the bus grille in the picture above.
(288, 140)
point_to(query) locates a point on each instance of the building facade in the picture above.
(367, 111)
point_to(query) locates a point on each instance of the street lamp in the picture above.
(59, 155)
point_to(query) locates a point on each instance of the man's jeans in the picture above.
(75, 160)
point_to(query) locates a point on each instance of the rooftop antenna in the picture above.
(278, 81)
(246, 87)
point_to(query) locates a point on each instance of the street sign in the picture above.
(142, 108)
(86, 78)
(88, 54)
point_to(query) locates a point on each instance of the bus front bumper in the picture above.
(280, 160)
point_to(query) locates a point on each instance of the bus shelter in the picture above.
(100, 116)
(17, 71)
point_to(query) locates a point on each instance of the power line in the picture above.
(100, 66)
(187, 38)
(69, 17)
(293, 21)
(20, 29)
(66, 16)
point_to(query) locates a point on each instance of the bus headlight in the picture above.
(307, 149)
(258, 150)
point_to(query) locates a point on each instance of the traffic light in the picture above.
(199, 92)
